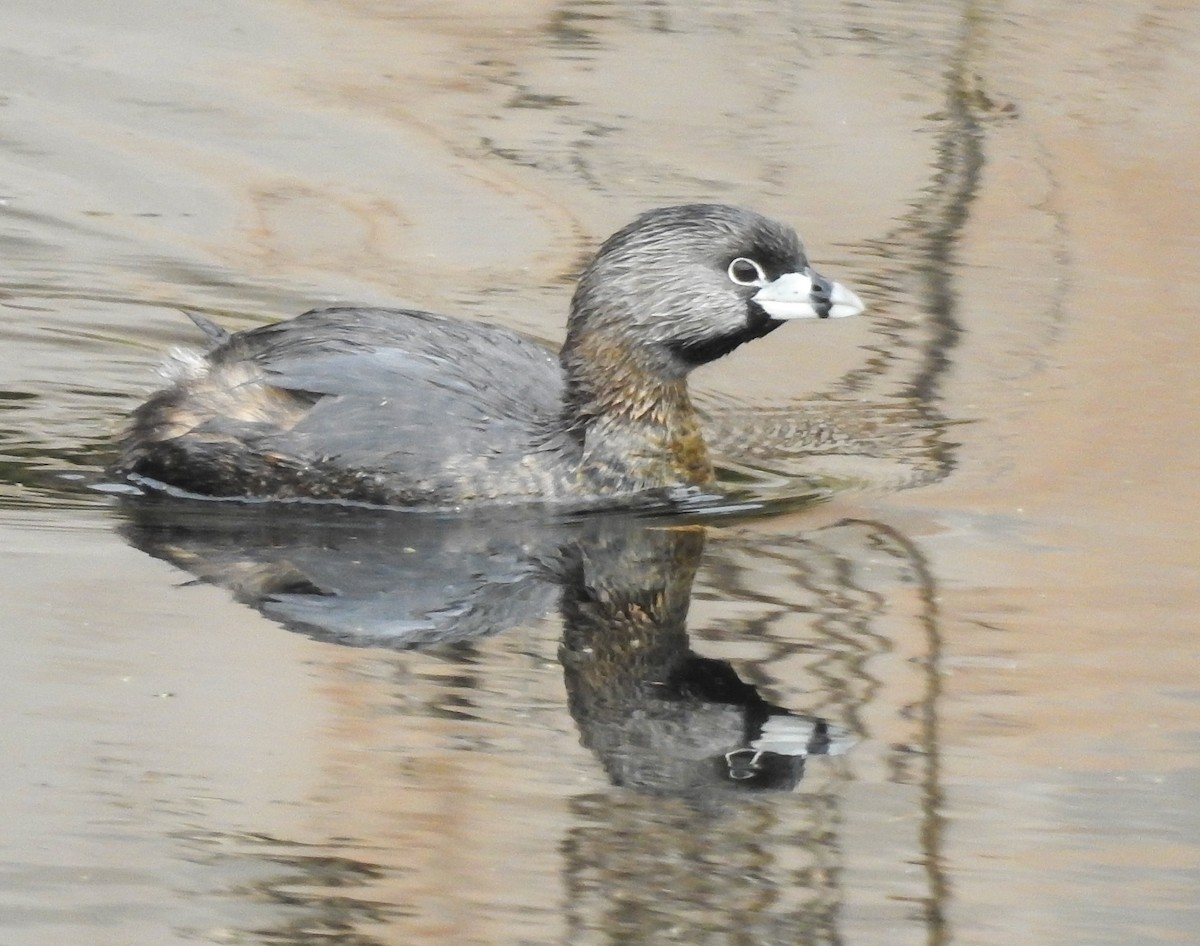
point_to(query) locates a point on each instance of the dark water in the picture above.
(954, 700)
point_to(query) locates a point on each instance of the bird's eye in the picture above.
(746, 272)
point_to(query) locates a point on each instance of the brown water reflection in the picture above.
(998, 600)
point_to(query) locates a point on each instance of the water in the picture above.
(237, 727)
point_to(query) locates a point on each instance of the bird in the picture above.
(406, 408)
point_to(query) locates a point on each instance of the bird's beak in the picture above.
(807, 295)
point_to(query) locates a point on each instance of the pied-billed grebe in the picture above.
(403, 408)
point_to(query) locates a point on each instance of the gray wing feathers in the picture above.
(405, 391)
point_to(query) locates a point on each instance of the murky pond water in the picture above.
(955, 701)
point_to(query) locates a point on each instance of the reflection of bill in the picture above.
(796, 737)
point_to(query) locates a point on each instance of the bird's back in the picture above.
(375, 405)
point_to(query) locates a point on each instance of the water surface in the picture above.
(232, 728)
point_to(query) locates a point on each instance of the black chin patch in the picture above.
(701, 351)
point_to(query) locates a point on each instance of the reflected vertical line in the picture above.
(960, 167)
(933, 822)
(943, 218)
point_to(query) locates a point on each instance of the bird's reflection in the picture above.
(660, 718)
